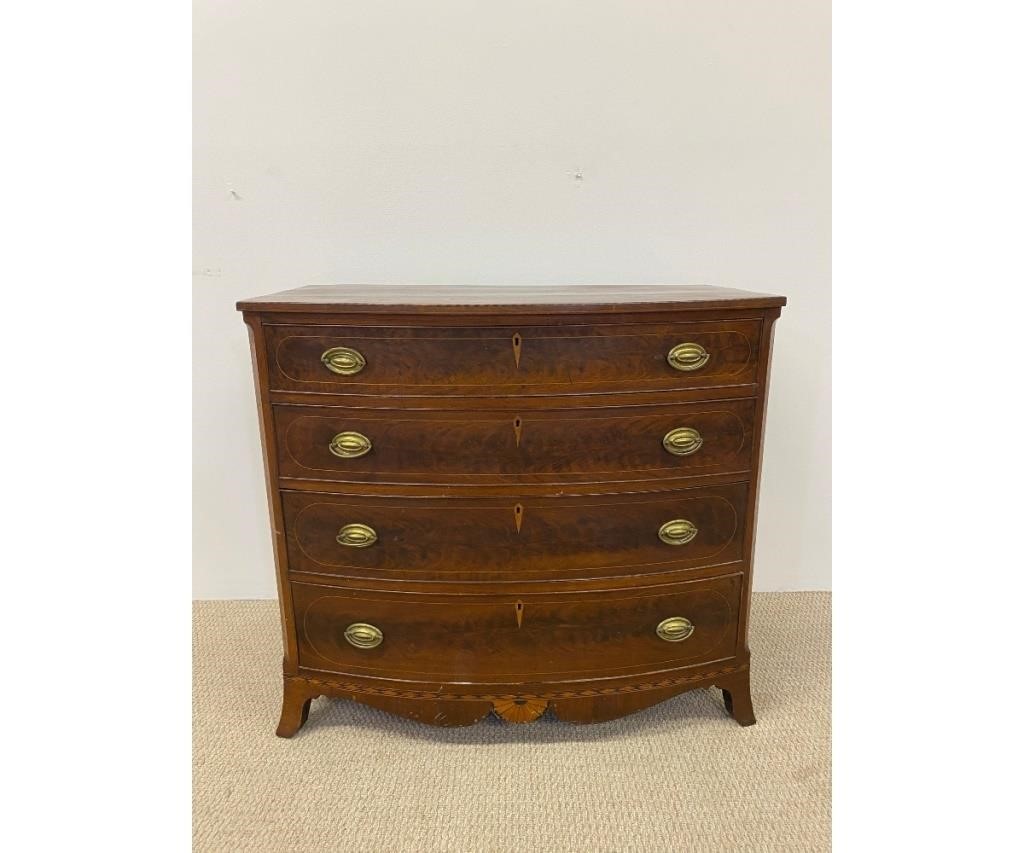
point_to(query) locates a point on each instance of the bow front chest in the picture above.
(512, 500)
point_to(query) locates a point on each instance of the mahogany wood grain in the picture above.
(569, 397)
(512, 538)
(417, 300)
(268, 441)
(294, 706)
(529, 360)
(735, 689)
(750, 528)
(508, 639)
(596, 707)
(553, 609)
(482, 447)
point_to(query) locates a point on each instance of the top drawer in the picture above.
(569, 359)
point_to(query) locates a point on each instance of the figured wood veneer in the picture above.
(562, 636)
(535, 359)
(489, 539)
(478, 447)
(497, 548)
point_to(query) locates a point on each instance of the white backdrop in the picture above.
(527, 142)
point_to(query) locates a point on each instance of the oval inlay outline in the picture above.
(388, 670)
(690, 464)
(503, 511)
(662, 379)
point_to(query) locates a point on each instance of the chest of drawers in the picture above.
(512, 500)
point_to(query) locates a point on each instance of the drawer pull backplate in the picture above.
(675, 629)
(343, 361)
(682, 441)
(679, 531)
(364, 636)
(356, 536)
(688, 356)
(350, 445)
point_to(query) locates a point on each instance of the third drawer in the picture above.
(510, 539)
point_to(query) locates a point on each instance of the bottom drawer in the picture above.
(446, 637)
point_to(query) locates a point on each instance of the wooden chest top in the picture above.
(508, 298)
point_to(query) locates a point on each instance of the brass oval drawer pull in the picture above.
(675, 629)
(682, 441)
(356, 536)
(343, 360)
(679, 531)
(688, 356)
(364, 636)
(350, 445)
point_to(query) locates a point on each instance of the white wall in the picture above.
(438, 142)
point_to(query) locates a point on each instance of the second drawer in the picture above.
(514, 539)
(568, 445)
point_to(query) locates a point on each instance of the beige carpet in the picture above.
(680, 776)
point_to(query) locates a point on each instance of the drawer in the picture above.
(540, 636)
(554, 446)
(563, 359)
(506, 539)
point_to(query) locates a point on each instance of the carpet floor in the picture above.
(681, 776)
